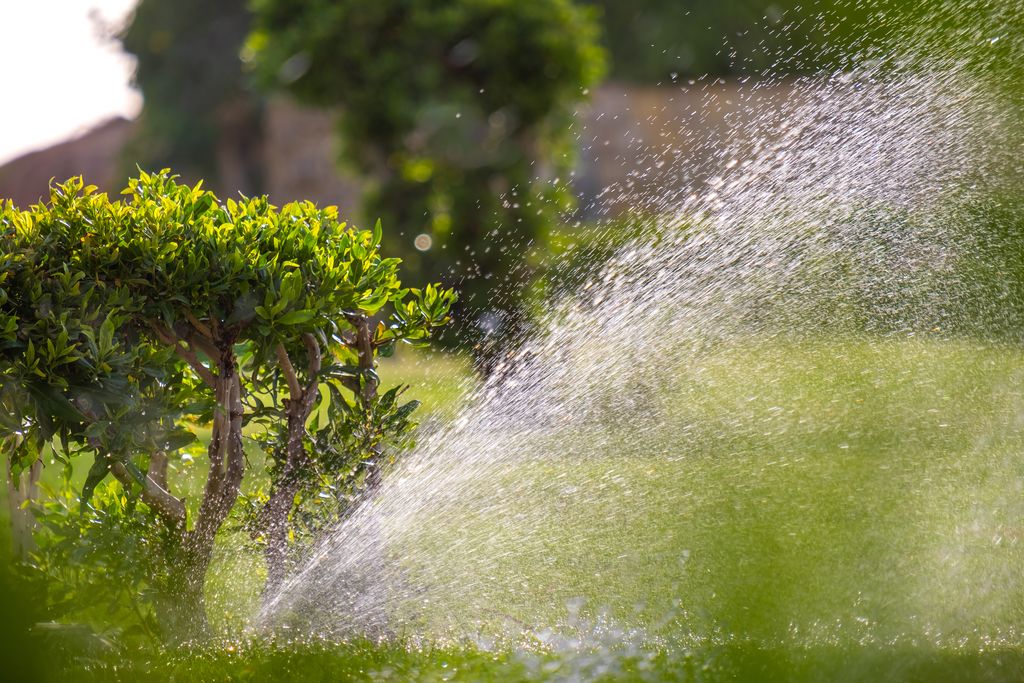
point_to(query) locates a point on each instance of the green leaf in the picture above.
(65, 447)
(176, 439)
(405, 410)
(378, 233)
(97, 473)
(291, 286)
(296, 317)
(336, 370)
(53, 403)
(106, 336)
(388, 398)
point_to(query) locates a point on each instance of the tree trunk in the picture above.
(275, 553)
(183, 614)
(282, 499)
(298, 406)
(182, 609)
(21, 491)
(227, 465)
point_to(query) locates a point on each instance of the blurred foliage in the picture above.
(659, 41)
(654, 41)
(104, 564)
(198, 107)
(126, 325)
(458, 111)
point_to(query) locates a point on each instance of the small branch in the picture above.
(294, 390)
(155, 496)
(363, 345)
(158, 469)
(205, 345)
(313, 351)
(168, 337)
(200, 327)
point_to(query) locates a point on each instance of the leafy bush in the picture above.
(127, 325)
(103, 563)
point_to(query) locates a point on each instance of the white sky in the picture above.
(57, 75)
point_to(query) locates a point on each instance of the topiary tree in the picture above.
(127, 325)
(457, 110)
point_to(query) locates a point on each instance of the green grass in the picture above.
(440, 381)
(398, 661)
(798, 509)
(796, 496)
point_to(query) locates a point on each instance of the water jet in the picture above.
(784, 420)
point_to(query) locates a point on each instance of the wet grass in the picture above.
(793, 495)
(368, 661)
(795, 510)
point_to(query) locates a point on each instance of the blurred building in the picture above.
(96, 155)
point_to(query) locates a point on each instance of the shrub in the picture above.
(126, 325)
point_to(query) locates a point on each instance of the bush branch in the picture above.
(168, 337)
(294, 390)
(155, 496)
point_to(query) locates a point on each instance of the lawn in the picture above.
(783, 509)
(793, 492)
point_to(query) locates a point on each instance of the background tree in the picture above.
(458, 111)
(452, 109)
(127, 324)
(654, 41)
(199, 113)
